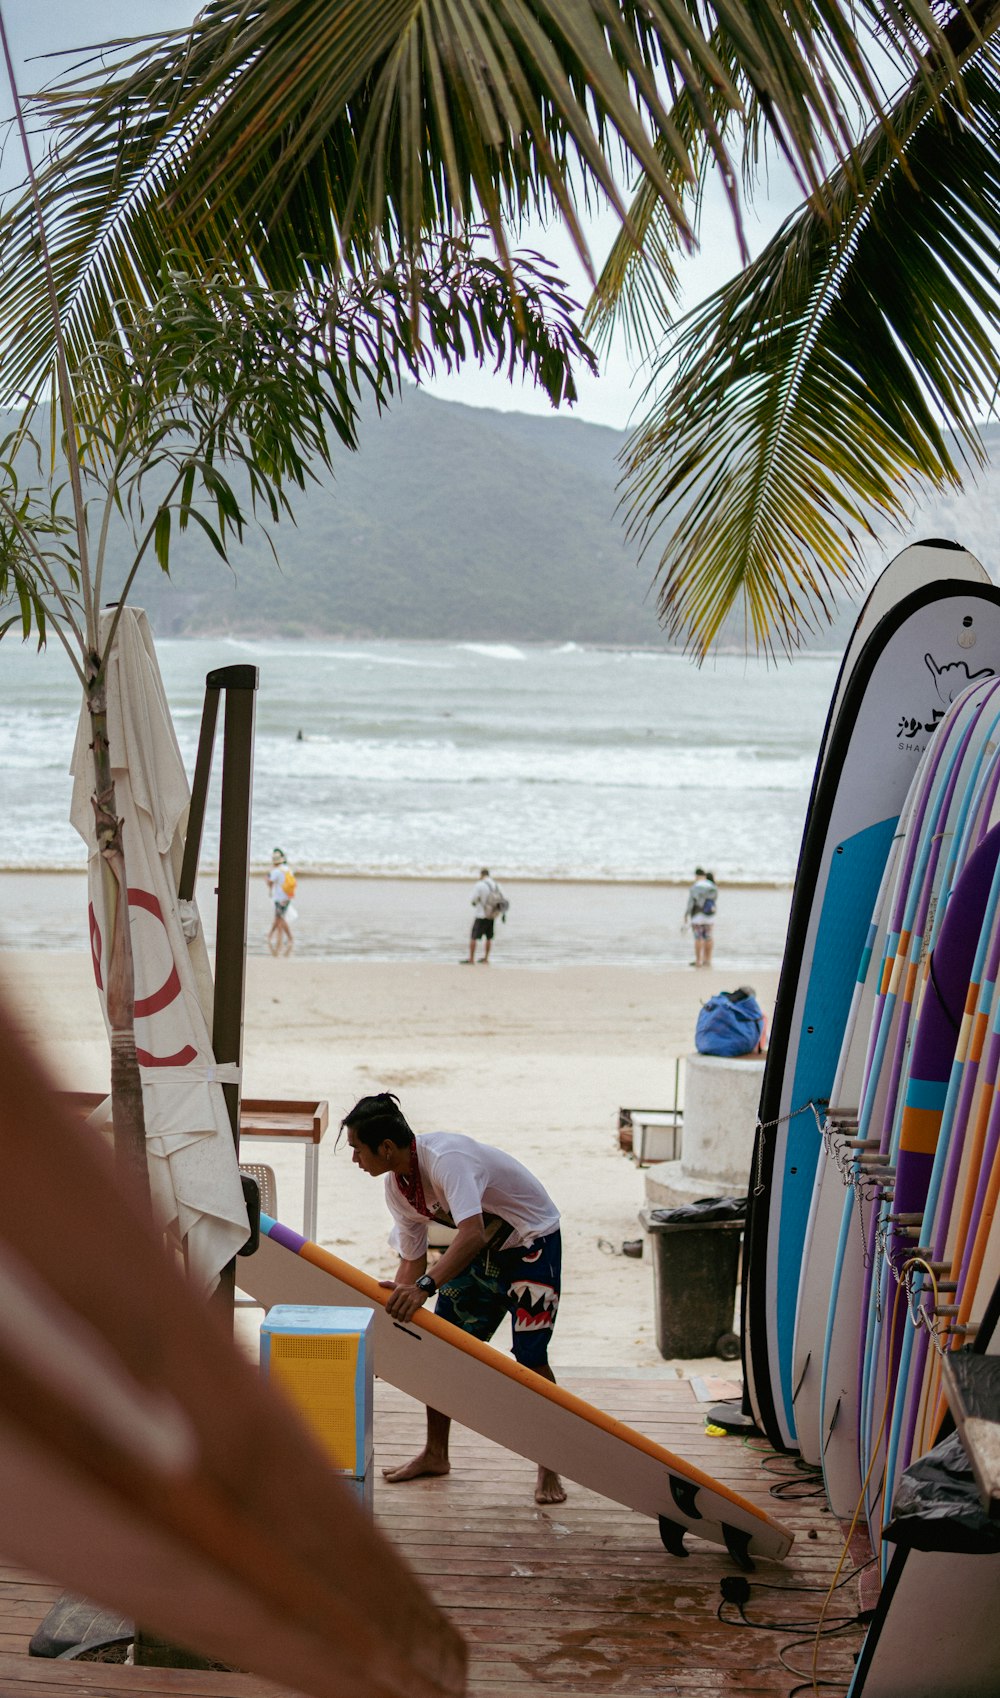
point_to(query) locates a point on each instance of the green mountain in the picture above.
(450, 521)
(459, 522)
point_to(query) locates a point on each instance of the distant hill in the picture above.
(459, 522)
(451, 521)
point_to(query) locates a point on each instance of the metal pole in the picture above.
(240, 686)
(199, 792)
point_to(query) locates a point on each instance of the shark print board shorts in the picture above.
(521, 1283)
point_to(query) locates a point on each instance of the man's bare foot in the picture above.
(421, 1466)
(549, 1488)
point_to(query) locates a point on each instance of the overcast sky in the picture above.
(39, 27)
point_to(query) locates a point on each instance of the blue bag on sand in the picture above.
(729, 1024)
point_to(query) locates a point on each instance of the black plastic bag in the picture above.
(937, 1506)
(700, 1213)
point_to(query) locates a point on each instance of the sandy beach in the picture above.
(536, 1061)
(552, 923)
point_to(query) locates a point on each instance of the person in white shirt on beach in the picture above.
(505, 1258)
(281, 883)
(485, 899)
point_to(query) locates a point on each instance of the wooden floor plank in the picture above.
(566, 1601)
(45, 1677)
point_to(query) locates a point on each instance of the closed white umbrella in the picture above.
(194, 1177)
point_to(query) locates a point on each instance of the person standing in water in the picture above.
(281, 883)
(702, 901)
(505, 1258)
(489, 902)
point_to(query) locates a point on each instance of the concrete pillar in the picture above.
(721, 1097)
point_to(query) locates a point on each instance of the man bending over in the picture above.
(505, 1257)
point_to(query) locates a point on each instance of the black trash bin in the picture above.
(696, 1259)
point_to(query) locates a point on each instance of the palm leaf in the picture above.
(813, 396)
(515, 316)
(279, 137)
(639, 286)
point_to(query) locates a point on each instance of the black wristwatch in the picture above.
(425, 1283)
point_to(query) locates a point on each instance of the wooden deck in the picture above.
(563, 1602)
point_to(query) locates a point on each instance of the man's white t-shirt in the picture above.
(463, 1178)
(482, 894)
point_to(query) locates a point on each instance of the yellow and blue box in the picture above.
(322, 1360)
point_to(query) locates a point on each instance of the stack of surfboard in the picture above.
(873, 1222)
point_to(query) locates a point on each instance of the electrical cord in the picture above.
(813, 1682)
(816, 1682)
(735, 1590)
(795, 1479)
(797, 1491)
(845, 1580)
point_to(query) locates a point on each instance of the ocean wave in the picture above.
(406, 761)
(370, 659)
(493, 651)
(575, 763)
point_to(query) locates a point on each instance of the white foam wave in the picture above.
(424, 757)
(493, 651)
(328, 762)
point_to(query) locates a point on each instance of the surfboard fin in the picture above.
(672, 1534)
(685, 1496)
(738, 1546)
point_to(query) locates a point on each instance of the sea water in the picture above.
(428, 760)
(431, 758)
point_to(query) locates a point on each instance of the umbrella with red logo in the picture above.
(195, 1185)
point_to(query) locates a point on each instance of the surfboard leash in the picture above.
(818, 1105)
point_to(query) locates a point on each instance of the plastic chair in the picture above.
(267, 1185)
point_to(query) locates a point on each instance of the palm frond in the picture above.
(280, 136)
(514, 316)
(639, 286)
(814, 395)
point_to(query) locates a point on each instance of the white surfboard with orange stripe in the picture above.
(492, 1394)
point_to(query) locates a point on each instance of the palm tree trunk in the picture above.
(126, 1083)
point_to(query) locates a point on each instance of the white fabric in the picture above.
(276, 879)
(481, 894)
(700, 891)
(193, 1170)
(467, 1178)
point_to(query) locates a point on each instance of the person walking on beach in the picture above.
(505, 1258)
(490, 901)
(281, 883)
(702, 901)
